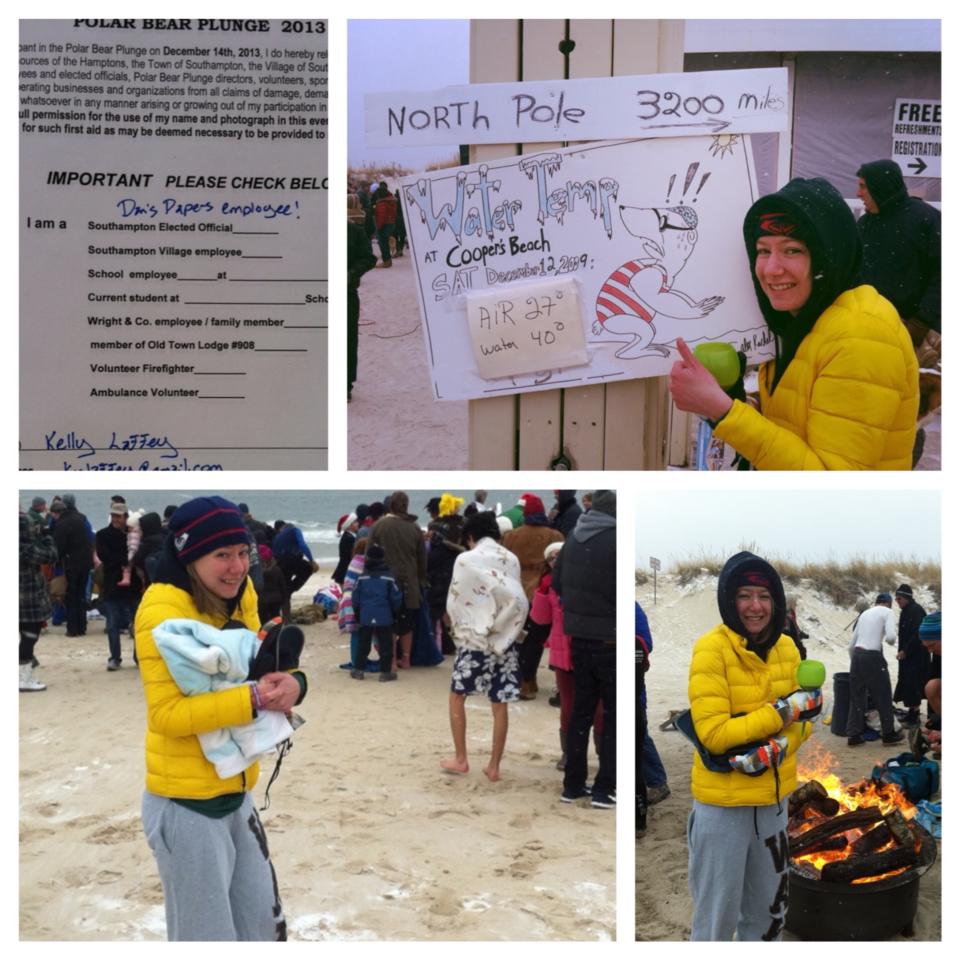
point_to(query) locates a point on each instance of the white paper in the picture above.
(173, 285)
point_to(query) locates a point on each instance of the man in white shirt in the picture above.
(868, 671)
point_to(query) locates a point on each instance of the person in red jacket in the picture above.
(385, 217)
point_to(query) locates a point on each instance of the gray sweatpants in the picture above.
(738, 871)
(218, 881)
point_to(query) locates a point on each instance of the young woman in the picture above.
(747, 715)
(843, 391)
(210, 846)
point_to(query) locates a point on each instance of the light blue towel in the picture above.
(202, 659)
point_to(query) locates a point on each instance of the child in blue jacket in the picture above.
(376, 602)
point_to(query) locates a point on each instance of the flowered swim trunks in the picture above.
(496, 675)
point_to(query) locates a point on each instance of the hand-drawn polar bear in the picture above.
(640, 289)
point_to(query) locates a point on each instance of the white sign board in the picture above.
(654, 563)
(649, 231)
(173, 279)
(604, 108)
(916, 137)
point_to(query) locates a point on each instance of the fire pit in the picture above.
(855, 860)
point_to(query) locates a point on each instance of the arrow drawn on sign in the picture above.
(713, 123)
(917, 165)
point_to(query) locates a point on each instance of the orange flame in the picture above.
(816, 764)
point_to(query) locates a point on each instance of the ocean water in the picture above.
(315, 512)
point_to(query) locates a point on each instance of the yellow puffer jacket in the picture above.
(847, 401)
(176, 766)
(731, 702)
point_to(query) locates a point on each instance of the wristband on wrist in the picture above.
(255, 694)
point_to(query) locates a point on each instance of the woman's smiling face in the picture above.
(784, 271)
(754, 608)
(223, 571)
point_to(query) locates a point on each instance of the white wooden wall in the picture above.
(629, 424)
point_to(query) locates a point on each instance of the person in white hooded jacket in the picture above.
(487, 607)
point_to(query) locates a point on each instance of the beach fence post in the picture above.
(654, 566)
(626, 424)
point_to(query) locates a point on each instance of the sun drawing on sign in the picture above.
(724, 143)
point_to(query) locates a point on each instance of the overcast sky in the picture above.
(396, 55)
(789, 524)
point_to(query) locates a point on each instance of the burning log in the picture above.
(856, 818)
(872, 840)
(899, 829)
(828, 844)
(869, 865)
(814, 795)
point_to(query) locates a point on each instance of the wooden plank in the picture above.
(584, 411)
(592, 55)
(492, 431)
(624, 426)
(539, 429)
(494, 55)
(539, 419)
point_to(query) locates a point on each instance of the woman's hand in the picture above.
(278, 691)
(693, 388)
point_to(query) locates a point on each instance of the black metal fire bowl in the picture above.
(861, 911)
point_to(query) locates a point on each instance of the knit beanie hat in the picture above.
(905, 590)
(884, 598)
(375, 552)
(751, 577)
(202, 525)
(930, 627)
(775, 223)
(532, 504)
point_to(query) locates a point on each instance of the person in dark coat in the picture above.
(566, 511)
(400, 228)
(118, 602)
(901, 246)
(914, 659)
(36, 549)
(147, 557)
(360, 259)
(445, 546)
(74, 542)
(585, 577)
(347, 528)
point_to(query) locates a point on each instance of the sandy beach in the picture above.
(679, 617)
(370, 840)
(393, 393)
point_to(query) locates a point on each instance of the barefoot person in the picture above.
(209, 843)
(487, 608)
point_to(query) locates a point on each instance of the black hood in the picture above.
(726, 593)
(829, 229)
(884, 180)
(151, 524)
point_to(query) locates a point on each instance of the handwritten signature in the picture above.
(55, 440)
